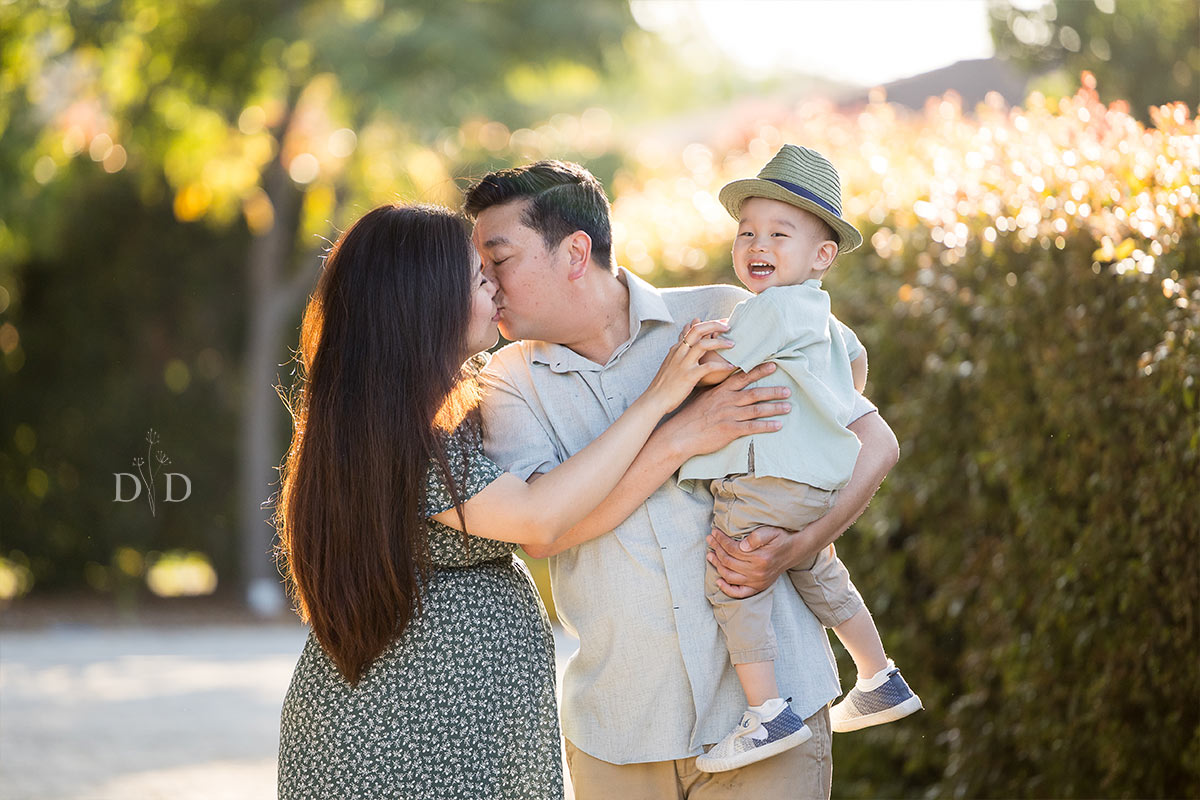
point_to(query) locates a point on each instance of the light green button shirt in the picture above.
(793, 327)
(651, 680)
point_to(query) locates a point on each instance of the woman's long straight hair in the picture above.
(380, 357)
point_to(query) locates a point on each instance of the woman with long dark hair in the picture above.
(430, 668)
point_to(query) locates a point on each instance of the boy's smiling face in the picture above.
(778, 244)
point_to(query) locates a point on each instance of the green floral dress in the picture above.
(461, 705)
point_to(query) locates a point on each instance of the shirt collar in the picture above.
(646, 304)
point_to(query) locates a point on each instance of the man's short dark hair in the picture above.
(564, 198)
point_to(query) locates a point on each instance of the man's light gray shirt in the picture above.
(651, 680)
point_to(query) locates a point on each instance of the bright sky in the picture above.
(865, 42)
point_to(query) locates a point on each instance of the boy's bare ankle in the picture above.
(758, 681)
(860, 637)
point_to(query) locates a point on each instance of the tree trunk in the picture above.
(270, 298)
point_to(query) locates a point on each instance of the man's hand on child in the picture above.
(747, 567)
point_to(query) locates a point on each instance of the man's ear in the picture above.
(578, 247)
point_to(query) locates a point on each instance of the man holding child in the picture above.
(652, 684)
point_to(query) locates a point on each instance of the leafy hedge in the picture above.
(1033, 559)
(1030, 298)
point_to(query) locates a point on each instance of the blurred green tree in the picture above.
(1146, 52)
(260, 119)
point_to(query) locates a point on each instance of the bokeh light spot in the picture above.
(342, 142)
(10, 338)
(44, 170)
(15, 580)
(304, 168)
(25, 438)
(37, 482)
(181, 573)
(177, 376)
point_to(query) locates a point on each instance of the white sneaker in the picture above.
(889, 701)
(739, 747)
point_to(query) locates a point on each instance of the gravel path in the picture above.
(153, 713)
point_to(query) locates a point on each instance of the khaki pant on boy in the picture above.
(742, 503)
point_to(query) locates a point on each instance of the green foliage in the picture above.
(1032, 560)
(148, 147)
(113, 341)
(138, 142)
(1146, 52)
(206, 95)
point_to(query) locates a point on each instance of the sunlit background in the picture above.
(1026, 175)
(860, 43)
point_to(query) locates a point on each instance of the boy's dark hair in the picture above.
(564, 198)
(829, 233)
(826, 231)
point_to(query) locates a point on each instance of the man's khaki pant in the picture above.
(802, 773)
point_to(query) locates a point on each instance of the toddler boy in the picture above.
(790, 229)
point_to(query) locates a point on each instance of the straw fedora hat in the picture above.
(800, 177)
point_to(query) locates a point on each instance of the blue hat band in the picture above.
(806, 194)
